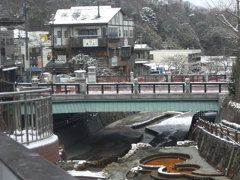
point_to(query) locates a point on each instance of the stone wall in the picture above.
(229, 111)
(218, 152)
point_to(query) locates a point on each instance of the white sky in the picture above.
(212, 3)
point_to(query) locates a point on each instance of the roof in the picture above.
(85, 15)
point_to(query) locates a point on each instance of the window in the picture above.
(3, 42)
(113, 32)
(131, 33)
(125, 33)
(87, 32)
(104, 32)
(111, 52)
(66, 34)
(59, 34)
(126, 52)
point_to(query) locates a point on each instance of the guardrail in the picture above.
(220, 131)
(56, 88)
(131, 88)
(110, 87)
(26, 116)
(209, 86)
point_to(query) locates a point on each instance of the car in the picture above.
(65, 78)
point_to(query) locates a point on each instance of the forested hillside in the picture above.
(173, 25)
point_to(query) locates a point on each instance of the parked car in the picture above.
(64, 78)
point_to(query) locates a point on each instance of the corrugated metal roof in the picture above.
(127, 106)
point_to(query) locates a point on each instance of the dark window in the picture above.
(87, 32)
(113, 32)
(104, 32)
(59, 34)
(126, 52)
(3, 52)
(111, 52)
(66, 34)
(3, 42)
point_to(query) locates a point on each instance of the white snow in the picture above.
(43, 142)
(86, 15)
(186, 142)
(230, 124)
(100, 175)
(136, 169)
(21, 137)
(235, 105)
(178, 120)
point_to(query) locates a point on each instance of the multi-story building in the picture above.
(102, 32)
(39, 48)
(142, 59)
(7, 62)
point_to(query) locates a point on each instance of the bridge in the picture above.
(130, 97)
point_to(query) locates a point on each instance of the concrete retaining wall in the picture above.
(218, 152)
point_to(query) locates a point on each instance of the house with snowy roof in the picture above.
(102, 32)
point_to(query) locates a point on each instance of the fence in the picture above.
(220, 131)
(56, 88)
(26, 116)
(163, 78)
(130, 88)
(6, 86)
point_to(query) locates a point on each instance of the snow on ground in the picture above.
(21, 137)
(99, 175)
(178, 120)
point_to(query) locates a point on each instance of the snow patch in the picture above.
(230, 124)
(100, 175)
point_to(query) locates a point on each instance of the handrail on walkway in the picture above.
(26, 116)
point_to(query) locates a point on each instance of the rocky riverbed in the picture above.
(111, 143)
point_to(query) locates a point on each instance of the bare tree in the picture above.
(230, 18)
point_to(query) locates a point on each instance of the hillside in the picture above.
(172, 25)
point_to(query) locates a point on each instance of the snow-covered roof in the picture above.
(19, 33)
(85, 15)
(142, 46)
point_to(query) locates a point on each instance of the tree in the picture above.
(231, 19)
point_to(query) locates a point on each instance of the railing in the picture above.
(6, 86)
(220, 131)
(26, 116)
(161, 87)
(130, 88)
(104, 88)
(56, 88)
(206, 87)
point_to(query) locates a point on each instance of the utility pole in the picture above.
(26, 34)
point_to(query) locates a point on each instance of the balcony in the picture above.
(78, 41)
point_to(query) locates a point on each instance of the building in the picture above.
(39, 49)
(168, 61)
(142, 59)
(102, 32)
(7, 63)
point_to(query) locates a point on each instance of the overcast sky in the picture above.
(205, 3)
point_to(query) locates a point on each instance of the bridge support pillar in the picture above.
(206, 77)
(131, 77)
(135, 85)
(169, 78)
(187, 85)
(80, 78)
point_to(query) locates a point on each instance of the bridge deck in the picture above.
(131, 102)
